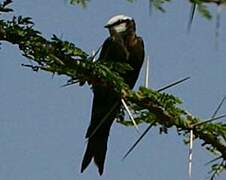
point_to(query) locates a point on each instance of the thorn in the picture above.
(68, 84)
(94, 54)
(53, 74)
(149, 127)
(213, 117)
(217, 32)
(103, 119)
(33, 67)
(215, 159)
(173, 84)
(190, 154)
(146, 81)
(191, 17)
(130, 115)
(150, 6)
(209, 120)
(138, 140)
(218, 107)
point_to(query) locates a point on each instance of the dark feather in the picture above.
(106, 103)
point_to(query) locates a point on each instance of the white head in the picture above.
(120, 23)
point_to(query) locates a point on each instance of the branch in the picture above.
(149, 106)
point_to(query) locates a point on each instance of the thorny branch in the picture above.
(148, 105)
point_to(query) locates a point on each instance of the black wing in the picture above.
(136, 59)
(106, 106)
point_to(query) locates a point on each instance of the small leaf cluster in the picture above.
(83, 3)
(158, 4)
(58, 56)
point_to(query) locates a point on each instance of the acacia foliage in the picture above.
(148, 105)
(159, 4)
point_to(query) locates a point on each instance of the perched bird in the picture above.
(123, 45)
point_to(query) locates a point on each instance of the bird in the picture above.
(122, 45)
